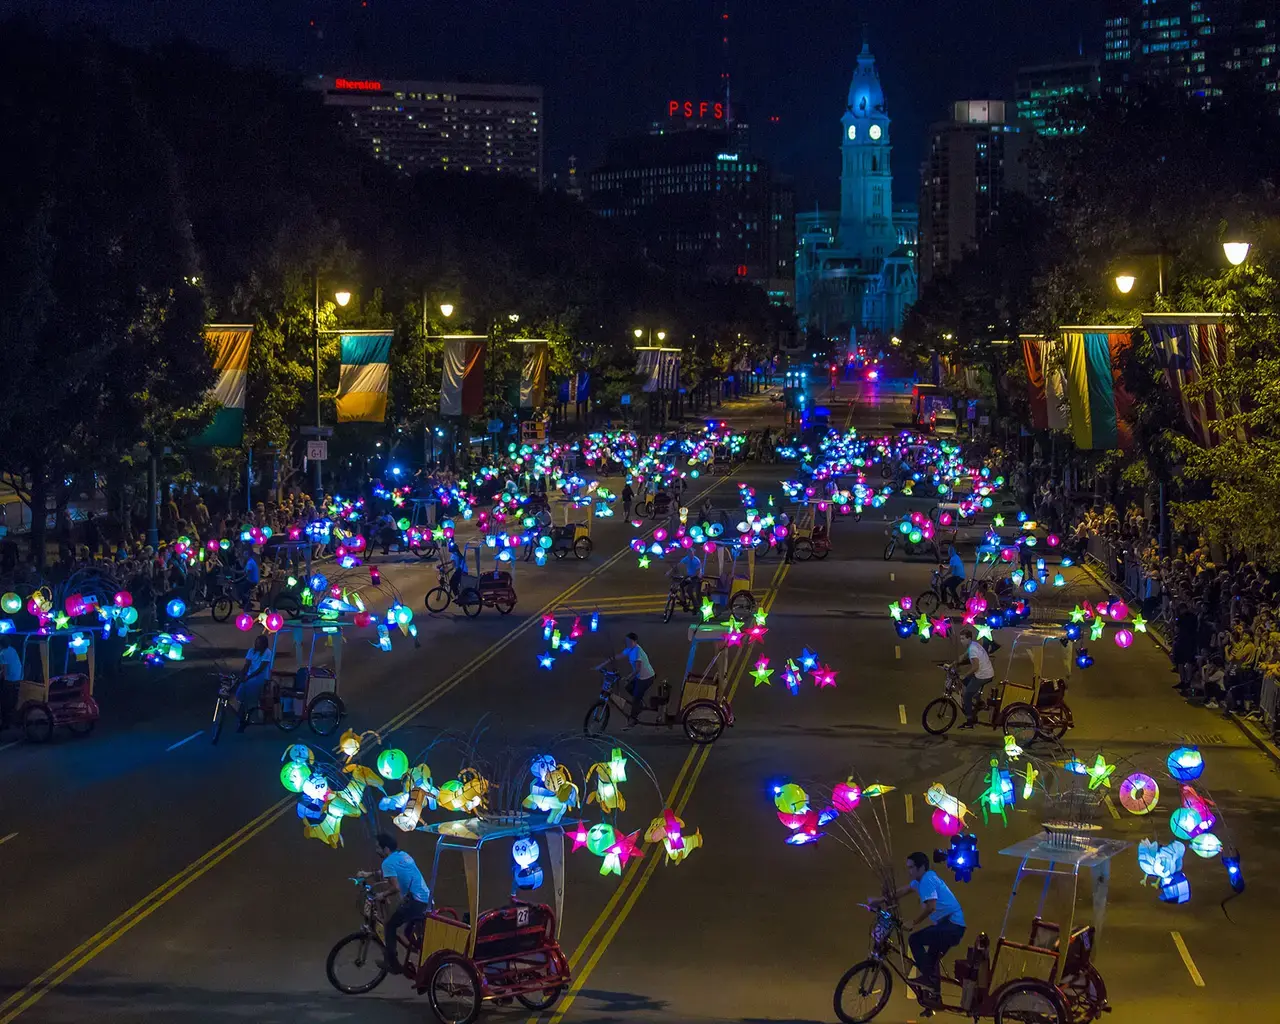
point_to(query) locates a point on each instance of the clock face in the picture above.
(853, 131)
(874, 131)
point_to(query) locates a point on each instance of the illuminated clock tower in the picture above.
(866, 183)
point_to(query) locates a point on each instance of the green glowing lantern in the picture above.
(392, 764)
(599, 838)
(293, 775)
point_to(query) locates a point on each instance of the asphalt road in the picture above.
(151, 878)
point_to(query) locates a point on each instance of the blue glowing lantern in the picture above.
(1083, 658)
(525, 853)
(1185, 764)
(962, 858)
(1176, 890)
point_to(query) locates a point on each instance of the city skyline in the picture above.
(607, 74)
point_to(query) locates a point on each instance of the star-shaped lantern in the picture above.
(791, 676)
(1100, 773)
(762, 672)
(1139, 623)
(823, 677)
(984, 631)
(546, 660)
(941, 625)
(1077, 614)
(1095, 631)
(808, 659)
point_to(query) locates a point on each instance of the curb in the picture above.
(1254, 735)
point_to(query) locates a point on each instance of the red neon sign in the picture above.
(700, 109)
(360, 85)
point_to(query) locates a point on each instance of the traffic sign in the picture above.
(317, 451)
(316, 431)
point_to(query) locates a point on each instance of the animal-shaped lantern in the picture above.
(552, 790)
(669, 830)
(466, 793)
(525, 853)
(608, 794)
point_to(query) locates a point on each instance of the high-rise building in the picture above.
(1198, 46)
(974, 160)
(1047, 96)
(700, 203)
(444, 126)
(855, 267)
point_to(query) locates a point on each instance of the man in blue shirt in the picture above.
(689, 572)
(939, 905)
(951, 585)
(402, 876)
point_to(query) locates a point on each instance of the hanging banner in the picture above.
(1186, 345)
(533, 374)
(1046, 388)
(363, 378)
(660, 368)
(462, 375)
(230, 346)
(1099, 405)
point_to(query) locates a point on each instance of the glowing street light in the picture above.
(1236, 252)
(638, 332)
(342, 297)
(446, 309)
(1125, 283)
(662, 335)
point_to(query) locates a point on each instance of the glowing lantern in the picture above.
(1123, 638)
(393, 764)
(129, 616)
(846, 796)
(1185, 764)
(349, 744)
(1185, 823)
(275, 622)
(11, 603)
(122, 599)
(945, 824)
(294, 775)
(1139, 793)
(363, 619)
(790, 799)
(1206, 845)
(599, 838)
(244, 622)
(176, 608)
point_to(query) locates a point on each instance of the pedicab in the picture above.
(731, 588)
(460, 961)
(656, 507)
(419, 538)
(811, 527)
(63, 700)
(1025, 708)
(700, 705)
(1049, 979)
(496, 589)
(306, 691)
(573, 536)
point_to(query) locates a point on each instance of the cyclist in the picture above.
(951, 585)
(402, 876)
(946, 920)
(257, 670)
(641, 678)
(689, 572)
(978, 662)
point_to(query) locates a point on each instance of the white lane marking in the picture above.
(175, 746)
(7, 838)
(1111, 806)
(892, 577)
(902, 713)
(1186, 959)
(897, 651)
(911, 811)
(8, 745)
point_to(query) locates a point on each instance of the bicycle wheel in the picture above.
(743, 603)
(670, 608)
(221, 608)
(37, 723)
(1030, 1002)
(862, 992)
(354, 965)
(426, 550)
(324, 714)
(890, 548)
(928, 602)
(703, 721)
(1022, 722)
(939, 715)
(803, 550)
(582, 547)
(453, 989)
(820, 551)
(469, 601)
(597, 721)
(437, 600)
(544, 999)
(219, 713)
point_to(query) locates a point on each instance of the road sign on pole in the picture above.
(316, 431)
(317, 451)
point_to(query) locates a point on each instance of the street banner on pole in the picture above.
(1045, 383)
(660, 368)
(533, 375)
(229, 344)
(1099, 405)
(363, 378)
(1186, 345)
(462, 375)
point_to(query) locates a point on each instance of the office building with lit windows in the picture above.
(699, 201)
(1201, 47)
(975, 159)
(1048, 96)
(444, 126)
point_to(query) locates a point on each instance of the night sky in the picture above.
(609, 69)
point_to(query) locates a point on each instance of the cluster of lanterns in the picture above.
(803, 823)
(563, 642)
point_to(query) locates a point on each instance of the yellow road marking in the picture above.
(911, 811)
(1185, 953)
(902, 713)
(35, 990)
(700, 756)
(1111, 807)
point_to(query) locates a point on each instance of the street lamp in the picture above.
(342, 297)
(1236, 252)
(1125, 283)
(639, 332)
(513, 317)
(446, 309)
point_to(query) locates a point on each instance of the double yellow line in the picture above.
(637, 877)
(35, 990)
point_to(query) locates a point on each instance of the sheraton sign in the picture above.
(358, 85)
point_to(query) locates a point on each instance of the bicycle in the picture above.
(682, 589)
(864, 989)
(442, 594)
(932, 599)
(368, 944)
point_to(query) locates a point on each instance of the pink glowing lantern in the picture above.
(363, 619)
(1052, 540)
(945, 824)
(1139, 793)
(122, 599)
(945, 519)
(976, 605)
(1118, 610)
(906, 602)
(275, 622)
(244, 622)
(1008, 554)
(846, 796)
(1124, 638)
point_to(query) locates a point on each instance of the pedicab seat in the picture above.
(1052, 692)
(72, 685)
(499, 579)
(499, 933)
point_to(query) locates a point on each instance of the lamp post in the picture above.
(1236, 252)
(640, 334)
(1125, 277)
(341, 297)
